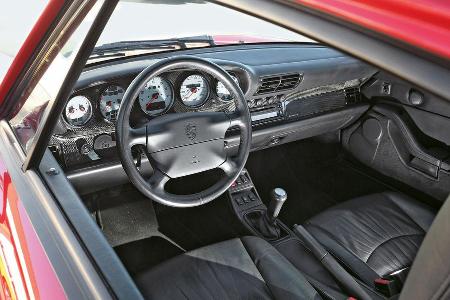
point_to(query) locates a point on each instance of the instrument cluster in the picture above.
(172, 92)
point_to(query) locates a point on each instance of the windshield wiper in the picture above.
(120, 48)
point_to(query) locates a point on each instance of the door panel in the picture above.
(385, 141)
(26, 272)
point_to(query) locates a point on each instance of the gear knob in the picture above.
(277, 198)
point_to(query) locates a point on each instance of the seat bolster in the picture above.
(429, 277)
(421, 214)
(283, 279)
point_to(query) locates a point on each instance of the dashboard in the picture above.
(285, 85)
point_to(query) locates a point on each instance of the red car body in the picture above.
(26, 271)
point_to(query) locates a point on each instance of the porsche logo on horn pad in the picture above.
(191, 131)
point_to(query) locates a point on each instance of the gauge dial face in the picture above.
(156, 97)
(222, 92)
(110, 101)
(194, 90)
(78, 111)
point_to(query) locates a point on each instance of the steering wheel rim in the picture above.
(127, 136)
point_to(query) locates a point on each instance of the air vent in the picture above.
(283, 82)
(352, 95)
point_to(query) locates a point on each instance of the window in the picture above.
(27, 120)
(171, 25)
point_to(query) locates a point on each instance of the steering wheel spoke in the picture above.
(235, 118)
(229, 166)
(137, 136)
(158, 180)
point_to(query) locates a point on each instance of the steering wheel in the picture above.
(181, 144)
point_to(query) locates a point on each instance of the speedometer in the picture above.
(156, 97)
(222, 92)
(78, 111)
(194, 90)
(110, 102)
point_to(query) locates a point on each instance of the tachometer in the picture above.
(78, 111)
(194, 90)
(222, 92)
(156, 97)
(110, 102)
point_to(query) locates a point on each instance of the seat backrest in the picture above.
(429, 277)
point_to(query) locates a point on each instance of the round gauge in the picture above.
(78, 111)
(156, 97)
(222, 92)
(110, 102)
(194, 90)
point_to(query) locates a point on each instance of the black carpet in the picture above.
(315, 175)
(199, 226)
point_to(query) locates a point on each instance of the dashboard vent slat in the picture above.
(276, 83)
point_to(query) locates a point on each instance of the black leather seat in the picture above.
(374, 236)
(245, 268)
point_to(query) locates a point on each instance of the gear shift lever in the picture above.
(277, 198)
(264, 222)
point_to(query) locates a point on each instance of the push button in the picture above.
(239, 200)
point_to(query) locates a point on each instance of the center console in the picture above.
(254, 214)
(262, 221)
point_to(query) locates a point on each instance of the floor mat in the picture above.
(132, 221)
(315, 175)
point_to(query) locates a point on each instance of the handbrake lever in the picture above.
(330, 263)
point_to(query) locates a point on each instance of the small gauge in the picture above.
(194, 90)
(222, 92)
(78, 111)
(110, 101)
(156, 97)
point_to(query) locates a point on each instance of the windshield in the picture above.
(207, 23)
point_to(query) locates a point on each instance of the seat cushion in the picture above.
(375, 235)
(245, 268)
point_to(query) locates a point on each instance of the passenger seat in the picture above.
(375, 237)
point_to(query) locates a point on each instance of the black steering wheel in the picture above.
(181, 144)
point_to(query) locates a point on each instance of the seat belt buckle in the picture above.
(387, 287)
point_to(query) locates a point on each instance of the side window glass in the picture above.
(28, 118)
